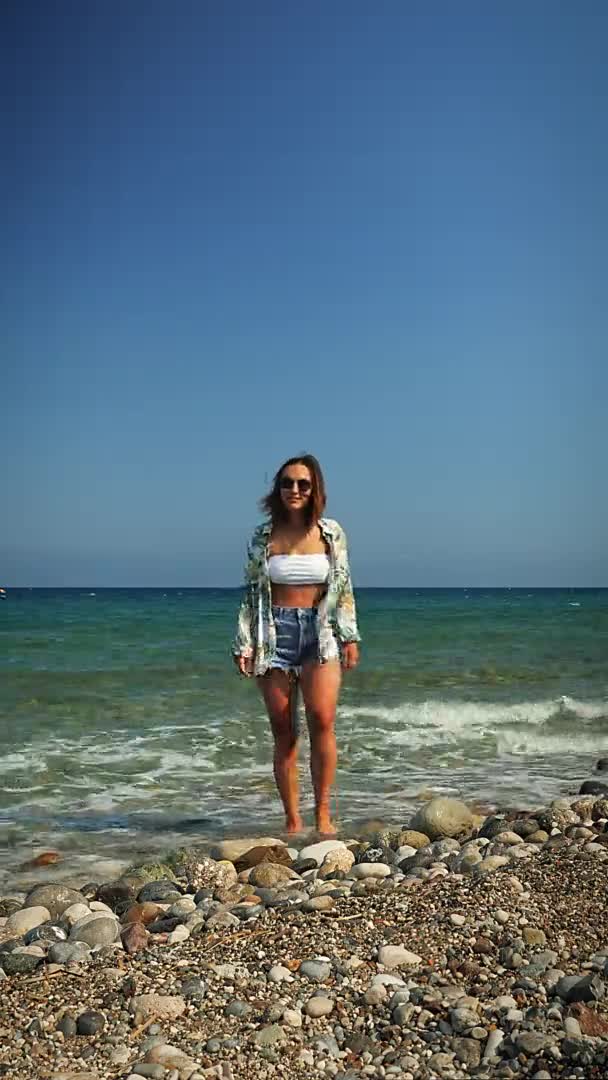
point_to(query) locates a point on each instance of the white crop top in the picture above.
(298, 569)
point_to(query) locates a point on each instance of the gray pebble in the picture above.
(237, 1008)
(315, 970)
(90, 1023)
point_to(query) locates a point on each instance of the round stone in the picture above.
(47, 932)
(27, 919)
(193, 989)
(66, 952)
(237, 1008)
(394, 956)
(370, 870)
(54, 897)
(68, 1026)
(163, 892)
(96, 930)
(315, 970)
(90, 1023)
(319, 851)
(20, 963)
(443, 817)
(279, 974)
(319, 1006)
(115, 893)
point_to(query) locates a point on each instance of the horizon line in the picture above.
(358, 588)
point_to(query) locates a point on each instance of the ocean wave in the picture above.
(513, 726)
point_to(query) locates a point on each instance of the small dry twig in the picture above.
(142, 1027)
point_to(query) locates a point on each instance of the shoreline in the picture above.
(33, 862)
(478, 947)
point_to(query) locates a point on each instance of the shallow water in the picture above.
(124, 729)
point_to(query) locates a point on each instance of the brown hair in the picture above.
(272, 504)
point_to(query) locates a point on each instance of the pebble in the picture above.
(318, 852)
(315, 970)
(279, 974)
(319, 1006)
(270, 1035)
(96, 929)
(365, 870)
(489, 984)
(90, 1023)
(393, 956)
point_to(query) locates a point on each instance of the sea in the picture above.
(125, 730)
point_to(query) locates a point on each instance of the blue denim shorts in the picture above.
(297, 637)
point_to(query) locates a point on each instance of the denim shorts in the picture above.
(297, 637)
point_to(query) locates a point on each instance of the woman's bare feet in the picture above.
(294, 825)
(325, 825)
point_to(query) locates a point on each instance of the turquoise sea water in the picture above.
(125, 730)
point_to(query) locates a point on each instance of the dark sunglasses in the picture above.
(303, 486)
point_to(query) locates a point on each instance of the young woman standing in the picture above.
(298, 616)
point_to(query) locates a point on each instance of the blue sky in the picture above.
(236, 231)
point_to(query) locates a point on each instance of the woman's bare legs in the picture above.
(275, 690)
(320, 688)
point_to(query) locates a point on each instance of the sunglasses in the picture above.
(303, 486)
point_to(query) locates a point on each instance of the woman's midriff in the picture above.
(303, 596)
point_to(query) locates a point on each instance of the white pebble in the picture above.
(279, 974)
(457, 920)
(181, 933)
(392, 956)
(370, 870)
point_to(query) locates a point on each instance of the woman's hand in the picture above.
(245, 665)
(350, 655)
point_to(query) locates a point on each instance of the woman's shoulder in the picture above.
(332, 528)
(261, 533)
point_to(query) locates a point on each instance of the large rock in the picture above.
(145, 913)
(135, 937)
(201, 872)
(267, 875)
(443, 817)
(412, 838)
(263, 853)
(234, 849)
(116, 894)
(66, 952)
(138, 876)
(158, 892)
(593, 787)
(337, 860)
(96, 929)
(20, 963)
(320, 850)
(27, 919)
(54, 897)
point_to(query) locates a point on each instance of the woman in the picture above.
(298, 616)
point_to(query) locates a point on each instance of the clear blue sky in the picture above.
(234, 231)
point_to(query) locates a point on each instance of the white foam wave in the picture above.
(549, 744)
(433, 722)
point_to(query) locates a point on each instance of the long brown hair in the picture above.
(272, 504)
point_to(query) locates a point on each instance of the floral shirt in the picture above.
(336, 614)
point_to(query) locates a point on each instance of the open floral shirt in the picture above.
(336, 614)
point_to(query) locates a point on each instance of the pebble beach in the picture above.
(453, 945)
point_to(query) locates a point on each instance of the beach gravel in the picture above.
(434, 969)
